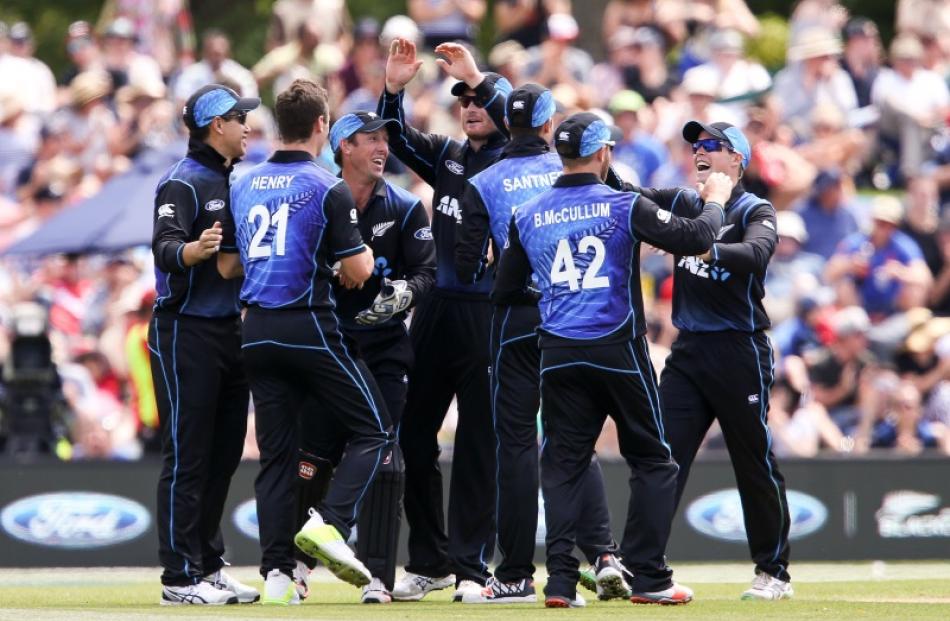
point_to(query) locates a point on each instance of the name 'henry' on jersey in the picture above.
(292, 221)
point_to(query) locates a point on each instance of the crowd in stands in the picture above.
(850, 142)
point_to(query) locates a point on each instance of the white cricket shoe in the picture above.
(279, 589)
(376, 593)
(413, 587)
(768, 588)
(302, 580)
(222, 580)
(201, 594)
(468, 592)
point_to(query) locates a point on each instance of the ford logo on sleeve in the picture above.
(719, 515)
(75, 520)
(245, 519)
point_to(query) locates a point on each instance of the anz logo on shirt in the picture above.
(698, 267)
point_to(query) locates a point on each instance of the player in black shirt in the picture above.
(450, 335)
(395, 225)
(720, 367)
(195, 344)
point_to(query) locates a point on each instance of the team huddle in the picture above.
(292, 285)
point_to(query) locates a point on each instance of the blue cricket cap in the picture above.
(529, 106)
(214, 100)
(726, 132)
(356, 122)
(581, 135)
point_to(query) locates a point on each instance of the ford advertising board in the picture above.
(74, 520)
(719, 515)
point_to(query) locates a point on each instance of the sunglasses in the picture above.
(240, 117)
(468, 100)
(710, 145)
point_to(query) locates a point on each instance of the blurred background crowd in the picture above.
(847, 115)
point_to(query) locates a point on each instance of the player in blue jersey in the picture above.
(194, 340)
(450, 335)
(581, 240)
(292, 220)
(395, 226)
(717, 307)
(527, 167)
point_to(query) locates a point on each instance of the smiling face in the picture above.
(365, 153)
(724, 160)
(233, 132)
(476, 123)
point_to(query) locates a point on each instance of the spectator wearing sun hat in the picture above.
(813, 77)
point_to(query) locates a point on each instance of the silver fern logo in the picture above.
(380, 229)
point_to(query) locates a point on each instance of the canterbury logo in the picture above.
(380, 229)
(166, 211)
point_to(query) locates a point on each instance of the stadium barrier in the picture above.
(102, 513)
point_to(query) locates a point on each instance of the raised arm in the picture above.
(683, 235)
(417, 150)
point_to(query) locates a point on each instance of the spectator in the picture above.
(913, 102)
(636, 148)
(304, 57)
(833, 144)
(443, 21)
(739, 80)
(508, 57)
(89, 119)
(39, 91)
(330, 16)
(366, 52)
(556, 60)
(525, 21)
(884, 270)
(828, 216)
(896, 422)
(800, 426)
(791, 269)
(921, 220)
(15, 71)
(18, 142)
(939, 299)
(838, 371)
(809, 328)
(122, 59)
(813, 77)
(163, 29)
(862, 56)
(649, 74)
(700, 90)
(215, 66)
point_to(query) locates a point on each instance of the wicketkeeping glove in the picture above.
(393, 298)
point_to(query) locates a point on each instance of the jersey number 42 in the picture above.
(565, 270)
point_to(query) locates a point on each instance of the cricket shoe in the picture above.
(768, 588)
(468, 592)
(611, 578)
(376, 593)
(413, 587)
(562, 601)
(279, 589)
(517, 592)
(302, 580)
(587, 578)
(201, 594)
(222, 580)
(676, 594)
(323, 541)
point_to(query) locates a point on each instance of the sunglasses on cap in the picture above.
(240, 117)
(468, 100)
(710, 145)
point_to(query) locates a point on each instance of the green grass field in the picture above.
(839, 591)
